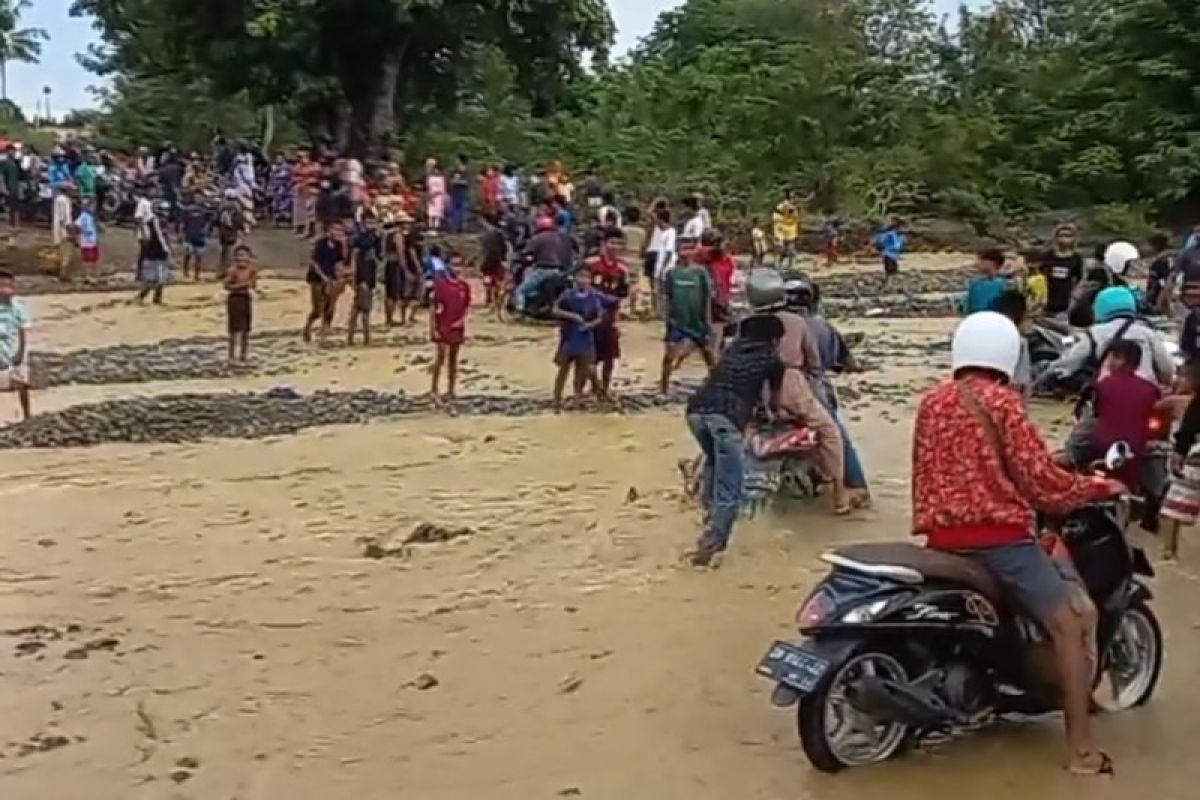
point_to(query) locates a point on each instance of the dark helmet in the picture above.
(712, 237)
(801, 292)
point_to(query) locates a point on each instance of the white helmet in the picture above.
(1119, 256)
(986, 340)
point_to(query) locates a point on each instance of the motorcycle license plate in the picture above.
(793, 666)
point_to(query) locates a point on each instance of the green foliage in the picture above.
(17, 44)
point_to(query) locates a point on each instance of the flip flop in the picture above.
(1105, 767)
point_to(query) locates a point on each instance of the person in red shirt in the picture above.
(721, 267)
(448, 328)
(981, 471)
(490, 184)
(610, 277)
(1124, 403)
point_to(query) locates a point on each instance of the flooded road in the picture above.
(202, 620)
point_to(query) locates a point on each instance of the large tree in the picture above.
(17, 44)
(356, 66)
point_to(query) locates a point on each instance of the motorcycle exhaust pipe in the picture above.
(904, 703)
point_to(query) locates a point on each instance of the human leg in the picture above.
(727, 466)
(452, 370)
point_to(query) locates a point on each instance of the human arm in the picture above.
(560, 312)
(1164, 364)
(22, 339)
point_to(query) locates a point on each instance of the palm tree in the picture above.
(17, 44)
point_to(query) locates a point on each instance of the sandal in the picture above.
(1105, 767)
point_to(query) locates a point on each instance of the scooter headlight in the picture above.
(864, 613)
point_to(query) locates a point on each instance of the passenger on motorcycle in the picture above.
(803, 298)
(1115, 311)
(981, 471)
(796, 401)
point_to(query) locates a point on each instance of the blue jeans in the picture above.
(722, 444)
(460, 202)
(856, 476)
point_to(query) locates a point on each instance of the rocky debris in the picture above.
(180, 775)
(570, 684)
(50, 284)
(424, 682)
(870, 283)
(376, 549)
(195, 416)
(430, 533)
(894, 306)
(42, 743)
(106, 644)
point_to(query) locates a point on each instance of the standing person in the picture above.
(414, 273)
(758, 244)
(460, 194)
(86, 178)
(325, 269)
(11, 174)
(240, 281)
(170, 182)
(989, 285)
(435, 198)
(282, 193)
(634, 239)
(60, 229)
(687, 307)
(196, 223)
(306, 179)
(981, 472)
(593, 191)
(14, 342)
(510, 187)
(786, 221)
(88, 231)
(231, 222)
(366, 253)
(610, 277)
(832, 235)
(660, 255)
(153, 258)
(1158, 297)
(393, 271)
(448, 329)
(489, 186)
(722, 268)
(494, 258)
(581, 309)
(890, 243)
(693, 226)
(1063, 267)
(718, 414)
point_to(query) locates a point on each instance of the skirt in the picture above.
(1182, 502)
(239, 312)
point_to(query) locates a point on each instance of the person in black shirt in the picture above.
(718, 414)
(366, 253)
(493, 259)
(1157, 300)
(325, 277)
(1063, 268)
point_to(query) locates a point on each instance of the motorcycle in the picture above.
(901, 642)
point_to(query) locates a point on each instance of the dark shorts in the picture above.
(393, 281)
(720, 312)
(565, 356)
(239, 308)
(648, 264)
(492, 272)
(1035, 582)
(364, 297)
(608, 343)
(678, 336)
(890, 265)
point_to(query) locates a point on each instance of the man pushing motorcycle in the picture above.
(981, 472)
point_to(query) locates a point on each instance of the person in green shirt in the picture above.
(687, 306)
(10, 175)
(85, 177)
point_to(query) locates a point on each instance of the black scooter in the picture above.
(900, 642)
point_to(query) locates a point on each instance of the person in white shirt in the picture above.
(694, 228)
(660, 254)
(60, 228)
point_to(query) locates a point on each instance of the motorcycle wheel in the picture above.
(835, 735)
(1133, 662)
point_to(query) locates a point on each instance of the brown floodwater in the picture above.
(221, 634)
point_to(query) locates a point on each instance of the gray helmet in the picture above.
(765, 290)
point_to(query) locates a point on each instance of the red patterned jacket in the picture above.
(963, 496)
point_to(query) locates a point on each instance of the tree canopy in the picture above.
(874, 106)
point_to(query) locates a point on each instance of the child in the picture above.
(687, 306)
(14, 342)
(610, 277)
(89, 240)
(451, 296)
(196, 224)
(758, 243)
(832, 234)
(240, 281)
(1123, 406)
(325, 271)
(985, 289)
(582, 310)
(366, 252)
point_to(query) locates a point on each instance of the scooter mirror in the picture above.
(1118, 455)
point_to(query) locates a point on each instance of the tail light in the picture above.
(817, 609)
(1159, 426)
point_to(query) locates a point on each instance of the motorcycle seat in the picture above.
(902, 558)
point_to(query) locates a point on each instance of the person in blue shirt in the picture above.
(581, 309)
(59, 171)
(890, 243)
(984, 290)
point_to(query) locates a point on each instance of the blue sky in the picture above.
(69, 82)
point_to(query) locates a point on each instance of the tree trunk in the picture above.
(268, 128)
(383, 111)
(343, 127)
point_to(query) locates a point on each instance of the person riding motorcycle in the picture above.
(767, 294)
(1115, 312)
(981, 472)
(803, 298)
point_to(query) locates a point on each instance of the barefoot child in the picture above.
(451, 297)
(366, 252)
(610, 277)
(687, 305)
(582, 310)
(325, 270)
(14, 342)
(240, 281)
(89, 240)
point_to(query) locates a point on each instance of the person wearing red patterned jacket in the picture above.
(981, 471)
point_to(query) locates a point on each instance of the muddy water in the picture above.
(212, 628)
